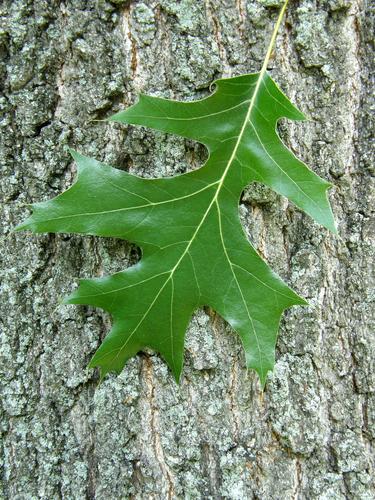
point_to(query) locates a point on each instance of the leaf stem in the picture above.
(273, 39)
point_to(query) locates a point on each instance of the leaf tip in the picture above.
(263, 375)
(92, 363)
(176, 372)
(26, 225)
(177, 377)
(301, 302)
(71, 298)
(74, 154)
(20, 227)
(260, 369)
(331, 226)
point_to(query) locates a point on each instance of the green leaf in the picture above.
(194, 250)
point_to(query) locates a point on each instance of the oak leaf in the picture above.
(194, 250)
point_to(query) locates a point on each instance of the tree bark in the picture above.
(310, 435)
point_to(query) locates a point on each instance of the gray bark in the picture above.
(139, 435)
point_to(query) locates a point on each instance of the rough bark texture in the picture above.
(139, 435)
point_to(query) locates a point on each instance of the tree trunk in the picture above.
(139, 435)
